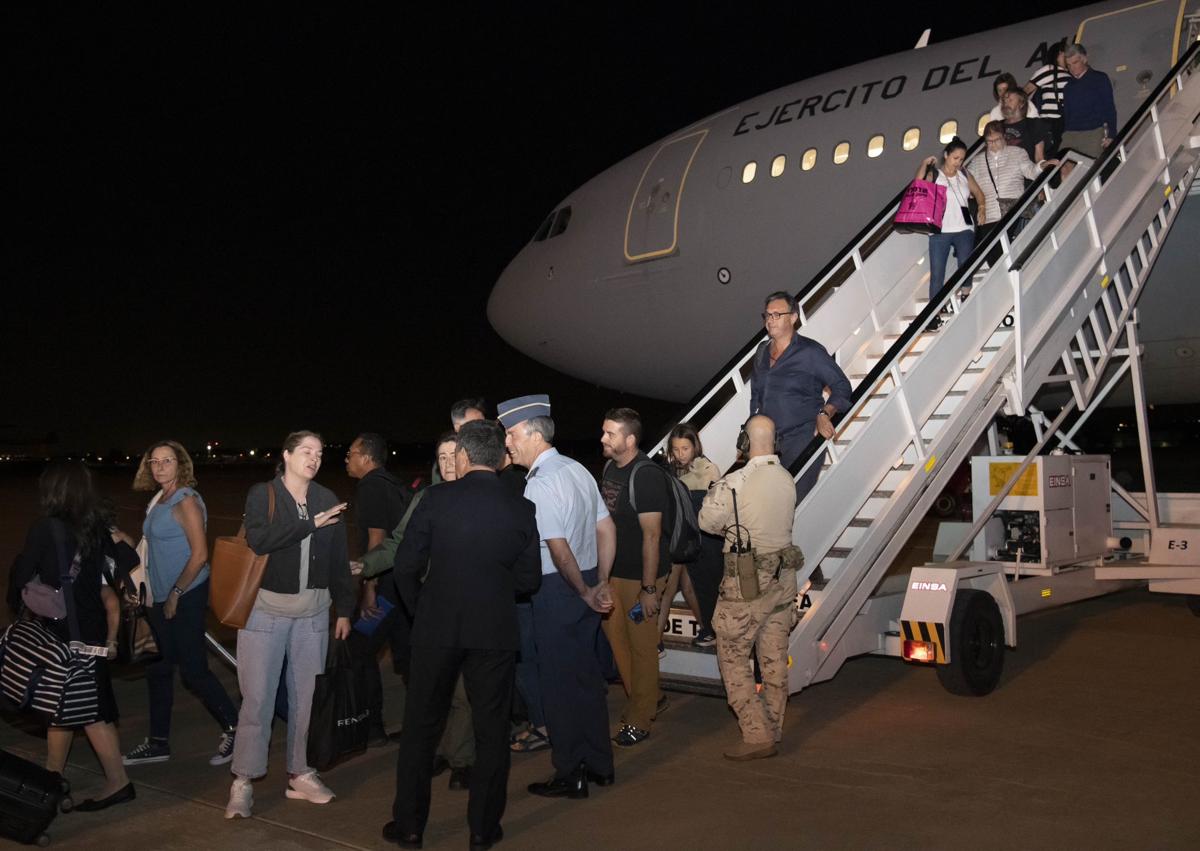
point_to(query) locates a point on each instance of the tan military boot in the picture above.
(744, 751)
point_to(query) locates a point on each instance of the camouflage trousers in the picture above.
(764, 626)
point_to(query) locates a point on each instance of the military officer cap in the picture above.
(522, 408)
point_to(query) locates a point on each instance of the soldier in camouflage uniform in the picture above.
(766, 504)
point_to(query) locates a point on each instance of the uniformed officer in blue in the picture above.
(577, 535)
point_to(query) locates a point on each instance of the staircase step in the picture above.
(839, 552)
(861, 523)
(881, 494)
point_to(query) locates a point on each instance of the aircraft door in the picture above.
(1135, 47)
(652, 226)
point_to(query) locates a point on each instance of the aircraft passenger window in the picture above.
(912, 138)
(809, 159)
(949, 131)
(777, 165)
(841, 153)
(560, 222)
(983, 119)
(544, 228)
(875, 146)
(748, 171)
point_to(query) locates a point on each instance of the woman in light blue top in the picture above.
(177, 566)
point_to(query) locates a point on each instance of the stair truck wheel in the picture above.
(976, 639)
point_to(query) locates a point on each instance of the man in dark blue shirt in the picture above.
(1088, 110)
(791, 374)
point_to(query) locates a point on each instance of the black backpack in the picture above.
(680, 526)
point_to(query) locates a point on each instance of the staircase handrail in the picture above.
(1173, 77)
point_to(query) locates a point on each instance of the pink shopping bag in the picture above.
(921, 208)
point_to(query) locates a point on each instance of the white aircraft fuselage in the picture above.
(651, 275)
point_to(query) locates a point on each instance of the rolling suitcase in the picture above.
(30, 798)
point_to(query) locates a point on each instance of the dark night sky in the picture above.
(231, 226)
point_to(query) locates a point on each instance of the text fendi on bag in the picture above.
(236, 573)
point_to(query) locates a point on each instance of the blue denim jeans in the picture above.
(181, 641)
(939, 251)
(262, 646)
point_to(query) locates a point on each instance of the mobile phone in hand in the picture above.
(636, 614)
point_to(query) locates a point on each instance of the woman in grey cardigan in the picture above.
(308, 569)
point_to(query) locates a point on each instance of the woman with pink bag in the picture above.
(958, 228)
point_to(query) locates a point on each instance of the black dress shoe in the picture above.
(601, 779)
(573, 785)
(460, 779)
(391, 833)
(91, 805)
(482, 843)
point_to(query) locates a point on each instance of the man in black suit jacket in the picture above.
(480, 542)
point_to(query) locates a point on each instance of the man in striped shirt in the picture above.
(1046, 87)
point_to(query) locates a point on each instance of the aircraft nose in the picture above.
(513, 304)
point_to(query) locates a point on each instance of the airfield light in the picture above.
(918, 651)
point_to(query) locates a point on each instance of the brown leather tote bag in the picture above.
(236, 573)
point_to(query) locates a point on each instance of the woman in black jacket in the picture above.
(308, 569)
(71, 525)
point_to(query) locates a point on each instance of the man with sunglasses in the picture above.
(791, 376)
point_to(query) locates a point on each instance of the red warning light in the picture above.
(918, 651)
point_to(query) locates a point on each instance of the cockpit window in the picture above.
(544, 228)
(560, 222)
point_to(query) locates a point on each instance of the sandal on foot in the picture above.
(529, 741)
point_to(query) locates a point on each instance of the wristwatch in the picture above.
(649, 589)
(177, 590)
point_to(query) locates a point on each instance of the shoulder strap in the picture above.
(270, 509)
(988, 163)
(637, 465)
(66, 577)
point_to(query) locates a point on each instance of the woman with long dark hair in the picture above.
(73, 529)
(958, 229)
(177, 567)
(308, 569)
(696, 580)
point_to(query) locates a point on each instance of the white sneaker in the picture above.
(241, 798)
(308, 787)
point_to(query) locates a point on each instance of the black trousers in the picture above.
(574, 691)
(706, 572)
(488, 676)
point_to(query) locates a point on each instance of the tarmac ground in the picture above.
(1089, 742)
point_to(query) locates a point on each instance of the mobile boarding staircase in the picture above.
(1045, 319)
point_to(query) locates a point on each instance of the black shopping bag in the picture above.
(339, 723)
